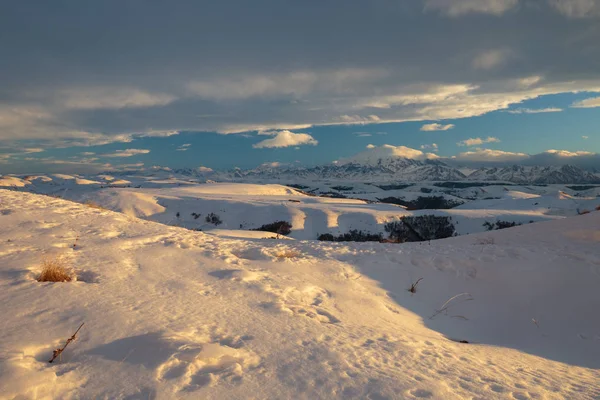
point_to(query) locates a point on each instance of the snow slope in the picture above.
(174, 314)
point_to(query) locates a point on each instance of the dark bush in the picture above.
(393, 187)
(506, 224)
(333, 195)
(420, 228)
(499, 225)
(326, 237)
(214, 219)
(342, 188)
(426, 190)
(352, 236)
(279, 227)
(296, 186)
(423, 203)
(582, 188)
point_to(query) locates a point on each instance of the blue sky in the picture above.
(114, 85)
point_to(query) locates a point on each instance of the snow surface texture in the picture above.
(173, 314)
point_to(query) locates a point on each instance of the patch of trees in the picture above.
(499, 225)
(354, 235)
(582, 188)
(279, 227)
(406, 229)
(423, 202)
(420, 228)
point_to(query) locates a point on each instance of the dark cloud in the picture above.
(74, 69)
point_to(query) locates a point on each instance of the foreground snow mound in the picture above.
(173, 314)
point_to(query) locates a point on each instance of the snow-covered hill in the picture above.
(173, 200)
(174, 314)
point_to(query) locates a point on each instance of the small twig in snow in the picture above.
(57, 353)
(445, 306)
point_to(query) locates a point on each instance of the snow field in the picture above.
(172, 313)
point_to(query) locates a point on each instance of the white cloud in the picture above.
(455, 8)
(577, 8)
(18, 153)
(585, 137)
(587, 103)
(375, 153)
(436, 127)
(241, 128)
(204, 169)
(87, 153)
(414, 94)
(285, 138)
(184, 147)
(123, 167)
(127, 153)
(29, 150)
(274, 164)
(91, 98)
(433, 147)
(566, 153)
(488, 155)
(363, 134)
(535, 110)
(492, 59)
(478, 141)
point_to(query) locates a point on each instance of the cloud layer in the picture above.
(478, 141)
(587, 103)
(80, 83)
(126, 153)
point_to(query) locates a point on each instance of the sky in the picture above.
(100, 86)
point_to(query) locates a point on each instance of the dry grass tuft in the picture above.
(56, 269)
(413, 287)
(95, 205)
(288, 254)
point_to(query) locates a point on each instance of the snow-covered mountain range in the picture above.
(403, 169)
